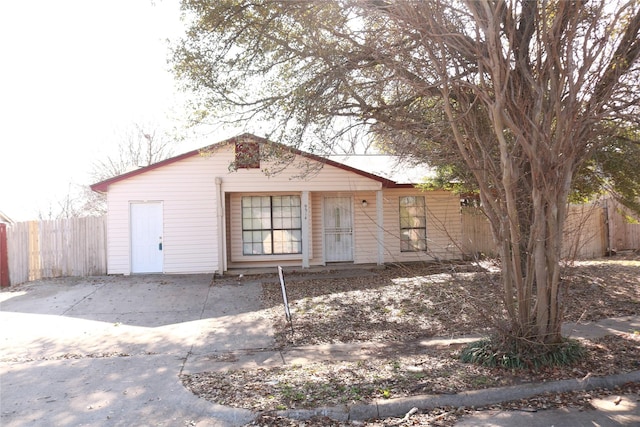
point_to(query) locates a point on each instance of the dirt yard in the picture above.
(405, 303)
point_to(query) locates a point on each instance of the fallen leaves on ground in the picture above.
(437, 371)
(403, 304)
(448, 416)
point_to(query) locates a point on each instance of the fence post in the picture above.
(4, 257)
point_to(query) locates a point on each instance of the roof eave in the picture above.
(103, 186)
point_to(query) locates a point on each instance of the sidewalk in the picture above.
(268, 357)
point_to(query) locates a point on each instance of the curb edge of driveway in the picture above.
(401, 406)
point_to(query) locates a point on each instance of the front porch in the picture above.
(301, 230)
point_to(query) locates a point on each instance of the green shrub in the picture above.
(515, 353)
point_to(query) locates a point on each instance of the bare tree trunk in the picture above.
(513, 92)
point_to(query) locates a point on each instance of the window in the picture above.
(271, 225)
(247, 155)
(413, 224)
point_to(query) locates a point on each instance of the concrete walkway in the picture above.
(606, 413)
(109, 351)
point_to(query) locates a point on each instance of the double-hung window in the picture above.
(413, 224)
(271, 225)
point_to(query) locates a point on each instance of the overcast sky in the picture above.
(74, 75)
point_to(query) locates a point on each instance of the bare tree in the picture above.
(138, 147)
(519, 92)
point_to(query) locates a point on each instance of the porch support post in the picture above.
(380, 225)
(305, 228)
(222, 246)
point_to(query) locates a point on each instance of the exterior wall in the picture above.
(443, 229)
(188, 194)
(443, 226)
(191, 239)
(187, 191)
(317, 249)
(365, 228)
(328, 178)
(318, 181)
(326, 181)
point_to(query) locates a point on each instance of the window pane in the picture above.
(413, 224)
(296, 222)
(405, 244)
(266, 242)
(271, 224)
(246, 223)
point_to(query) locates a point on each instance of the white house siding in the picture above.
(443, 226)
(365, 228)
(246, 182)
(187, 191)
(317, 240)
(328, 178)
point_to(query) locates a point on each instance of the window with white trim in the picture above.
(413, 224)
(271, 225)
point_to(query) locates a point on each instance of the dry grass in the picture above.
(401, 305)
(436, 371)
(409, 302)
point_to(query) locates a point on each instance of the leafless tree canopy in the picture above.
(137, 146)
(519, 92)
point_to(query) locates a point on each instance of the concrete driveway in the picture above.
(108, 351)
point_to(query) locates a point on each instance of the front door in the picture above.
(146, 237)
(338, 229)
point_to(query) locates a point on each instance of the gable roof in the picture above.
(103, 186)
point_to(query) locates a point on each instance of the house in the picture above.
(226, 207)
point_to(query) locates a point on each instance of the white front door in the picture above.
(146, 237)
(338, 229)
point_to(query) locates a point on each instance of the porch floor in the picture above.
(248, 271)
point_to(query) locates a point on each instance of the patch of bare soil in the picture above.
(408, 302)
(402, 304)
(397, 304)
(436, 371)
(603, 288)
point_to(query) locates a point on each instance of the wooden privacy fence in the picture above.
(4, 256)
(591, 230)
(64, 247)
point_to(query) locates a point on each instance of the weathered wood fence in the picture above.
(591, 230)
(64, 247)
(4, 256)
